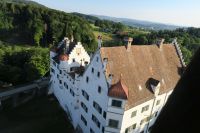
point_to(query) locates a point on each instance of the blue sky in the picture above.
(179, 12)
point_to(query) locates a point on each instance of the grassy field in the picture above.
(40, 115)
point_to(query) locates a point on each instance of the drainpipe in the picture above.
(150, 115)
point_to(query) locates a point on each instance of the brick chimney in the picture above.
(160, 43)
(99, 41)
(128, 41)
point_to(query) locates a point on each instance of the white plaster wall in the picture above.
(128, 121)
(92, 90)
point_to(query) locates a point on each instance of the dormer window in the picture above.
(153, 85)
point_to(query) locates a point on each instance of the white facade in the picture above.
(85, 97)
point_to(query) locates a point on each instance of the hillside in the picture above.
(139, 23)
(25, 22)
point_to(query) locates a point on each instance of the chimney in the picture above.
(66, 42)
(128, 41)
(99, 41)
(105, 60)
(160, 43)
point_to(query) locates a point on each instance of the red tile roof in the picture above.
(139, 64)
(63, 57)
(118, 90)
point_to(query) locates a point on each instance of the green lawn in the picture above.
(40, 115)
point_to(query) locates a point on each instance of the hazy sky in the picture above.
(179, 12)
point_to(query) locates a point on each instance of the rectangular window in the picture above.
(158, 102)
(84, 120)
(133, 114)
(97, 59)
(98, 74)
(104, 115)
(57, 76)
(145, 120)
(85, 95)
(54, 63)
(117, 103)
(91, 130)
(87, 79)
(99, 89)
(113, 123)
(65, 84)
(72, 93)
(145, 108)
(130, 128)
(96, 121)
(60, 81)
(84, 107)
(52, 70)
(97, 107)
(60, 71)
(92, 70)
(103, 129)
(73, 59)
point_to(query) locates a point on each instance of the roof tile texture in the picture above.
(139, 64)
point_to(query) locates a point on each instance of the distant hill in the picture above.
(25, 2)
(140, 23)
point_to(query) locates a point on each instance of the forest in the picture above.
(28, 30)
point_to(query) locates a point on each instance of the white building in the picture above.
(120, 89)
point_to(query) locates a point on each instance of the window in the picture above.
(134, 113)
(98, 74)
(84, 107)
(73, 59)
(85, 95)
(113, 123)
(96, 121)
(97, 107)
(91, 131)
(54, 63)
(52, 70)
(97, 59)
(156, 113)
(145, 108)
(87, 79)
(60, 71)
(104, 114)
(117, 103)
(158, 102)
(60, 81)
(83, 120)
(130, 128)
(99, 89)
(103, 129)
(145, 120)
(150, 128)
(72, 93)
(57, 76)
(65, 84)
(92, 70)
